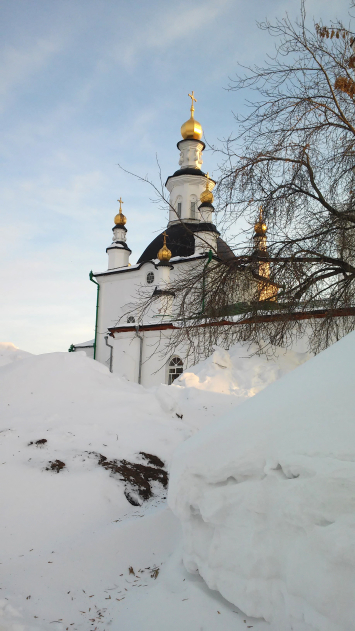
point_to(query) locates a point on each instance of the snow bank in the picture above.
(226, 379)
(9, 353)
(77, 401)
(69, 538)
(266, 497)
(240, 371)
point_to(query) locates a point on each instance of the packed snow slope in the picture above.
(266, 497)
(75, 515)
(9, 353)
(201, 391)
(240, 371)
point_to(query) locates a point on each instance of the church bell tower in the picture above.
(189, 182)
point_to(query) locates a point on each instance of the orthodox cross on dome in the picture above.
(192, 97)
(120, 219)
(164, 254)
(192, 128)
(121, 202)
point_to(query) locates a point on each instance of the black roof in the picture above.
(180, 240)
(120, 227)
(188, 171)
(123, 245)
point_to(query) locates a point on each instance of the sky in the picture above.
(86, 86)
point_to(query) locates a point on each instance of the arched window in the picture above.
(193, 207)
(175, 369)
(178, 206)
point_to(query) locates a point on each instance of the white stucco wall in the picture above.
(119, 294)
(126, 352)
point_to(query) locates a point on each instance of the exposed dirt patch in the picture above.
(56, 465)
(155, 573)
(137, 477)
(153, 460)
(39, 443)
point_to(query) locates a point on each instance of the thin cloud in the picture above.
(19, 65)
(174, 25)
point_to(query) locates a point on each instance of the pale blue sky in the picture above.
(87, 84)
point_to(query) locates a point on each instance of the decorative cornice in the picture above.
(193, 140)
(119, 245)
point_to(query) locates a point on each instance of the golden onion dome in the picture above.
(192, 128)
(120, 219)
(164, 254)
(206, 196)
(260, 227)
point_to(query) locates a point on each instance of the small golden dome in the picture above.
(207, 195)
(164, 254)
(260, 227)
(192, 128)
(120, 219)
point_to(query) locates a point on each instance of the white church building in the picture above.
(134, 349)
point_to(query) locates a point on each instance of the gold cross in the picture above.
(207, 182)
(121, 202)
(164, 235)
(192, 97)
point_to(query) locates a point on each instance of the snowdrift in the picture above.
(208, 390)
(240, 371)
(266, 497)
(71, 441)
(71, 434)
(9, 353)
(77, 405)
(62, 514)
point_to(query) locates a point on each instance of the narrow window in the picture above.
(193, 206)
(150, 278)
(179, 209)
(176, 368)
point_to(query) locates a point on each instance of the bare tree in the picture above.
(294, 156)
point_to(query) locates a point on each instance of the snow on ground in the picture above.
(226, 379)
(10, 352)
(240, 371)
(69, 530)
(266, 497)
